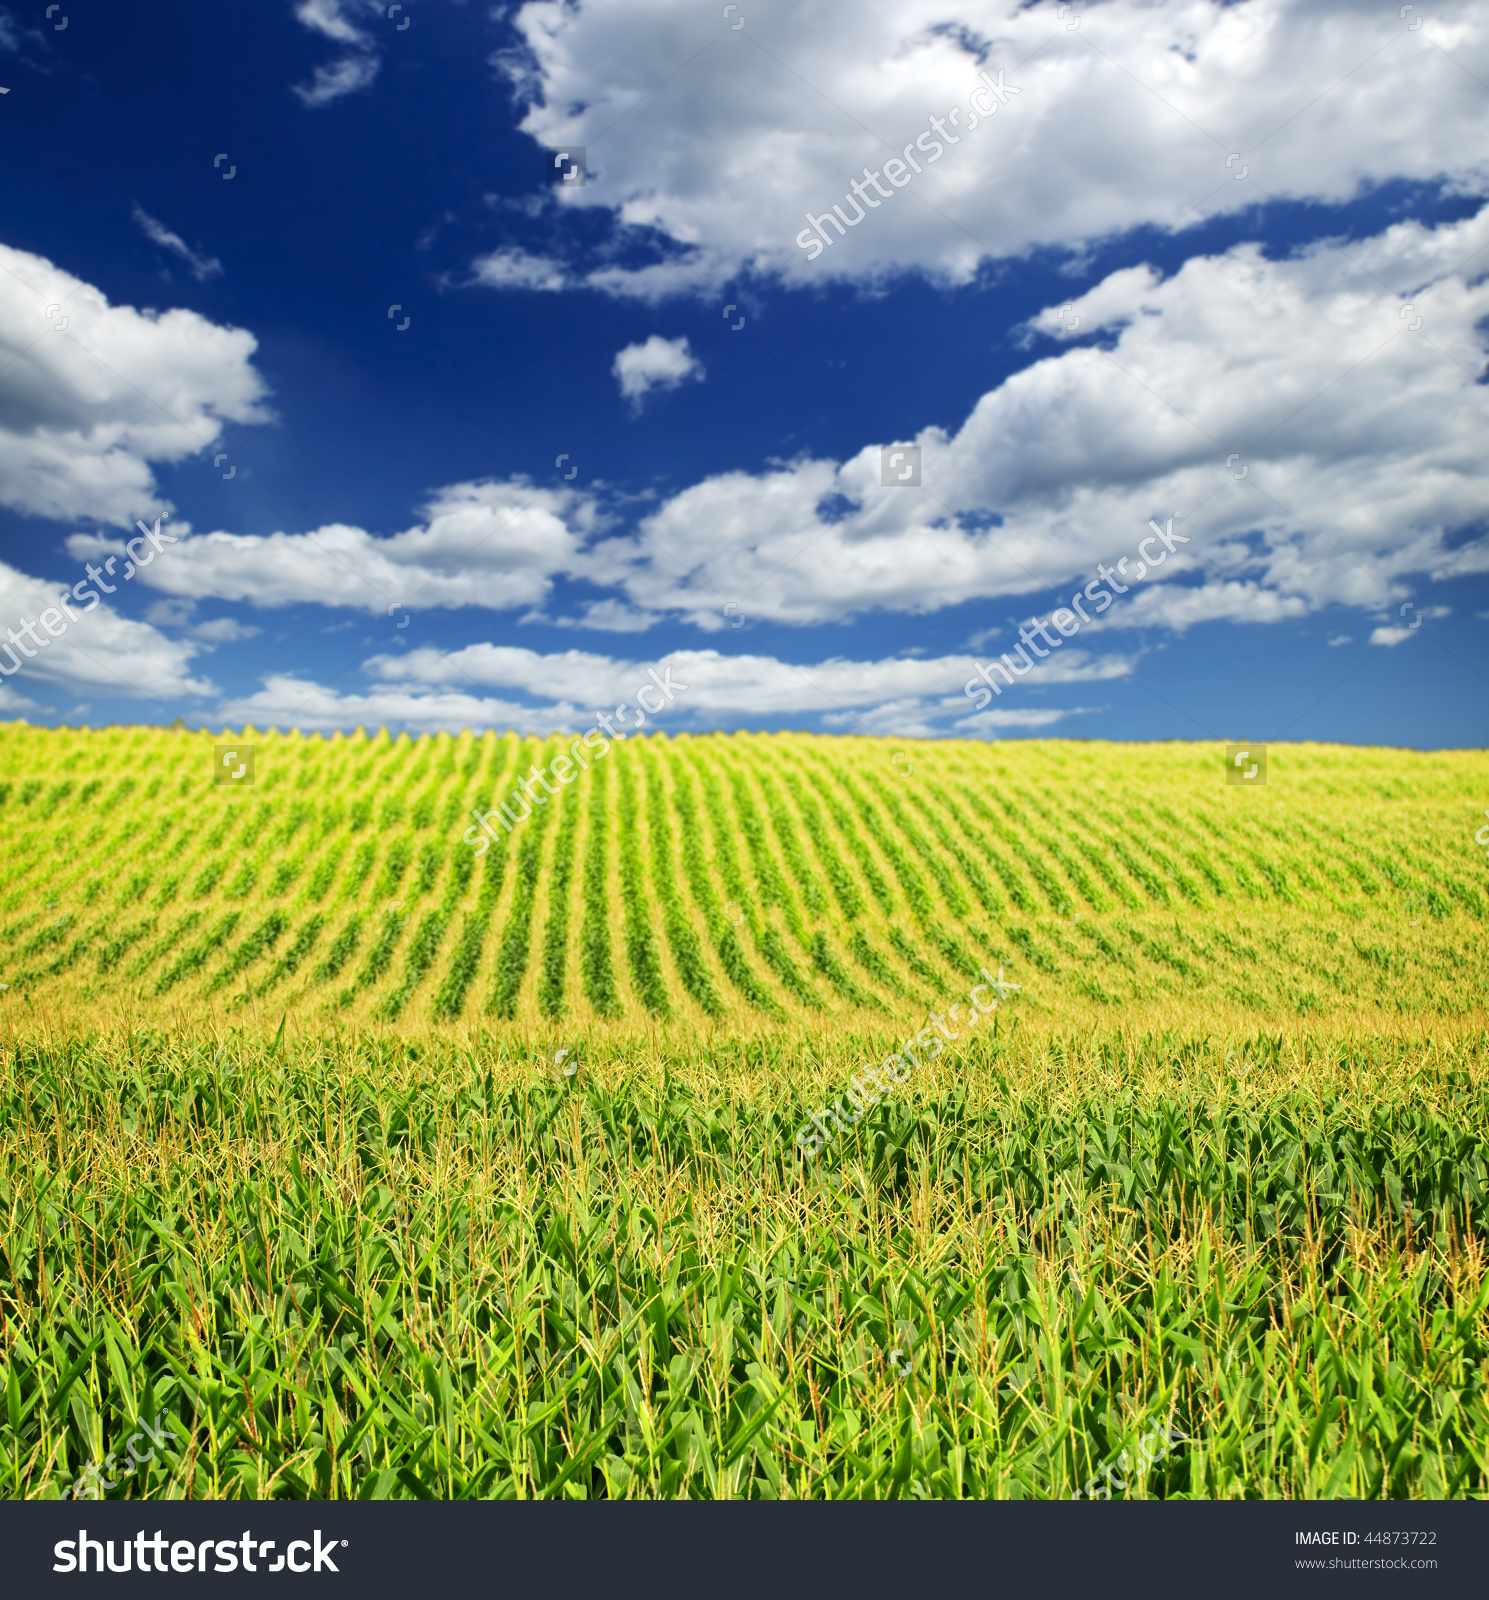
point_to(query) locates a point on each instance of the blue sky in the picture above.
(1215, 270)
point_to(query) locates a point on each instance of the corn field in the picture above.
(287, 1162)
(731, 883)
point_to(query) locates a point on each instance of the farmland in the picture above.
(730, 884)
(284, 1152)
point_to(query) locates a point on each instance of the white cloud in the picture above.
(171, 613)
(991, 721)
(202, 266)
(1178, 606)
(1313, 449)
(737, 686)
(658, 364)
(223, 630)
(908, 719)
(1339, 639)
(100, 652)
(516, 269)
(609, 616)
(431, 690)
(481, 544)
(14, 700)
(1113, 303)
(349, 72)
(182, 614)
(332, 18)
(94, 393)
(341, 77)
(1390, 634)
(719, 141)
(289, 702)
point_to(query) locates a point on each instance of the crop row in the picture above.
(720, 875)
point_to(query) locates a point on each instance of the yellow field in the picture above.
(286, 1160)
(731, 884)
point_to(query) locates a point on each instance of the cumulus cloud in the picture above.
(1314, 435)
(1313, 446)
(353, 70)
(286, 702)
(907, 719)
(1179, 606)
(493, 544)
(289, 702)
(716, 682)
(891, 695)
(719, 142)
(609, 616)
(510, 268)
(658, 364)
(100, 652)
(94, 393)
(1390, 634)
(202, 266)
(182, 614)
(14, 700)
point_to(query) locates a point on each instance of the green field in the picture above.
(732, 884)
(285, 1154)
